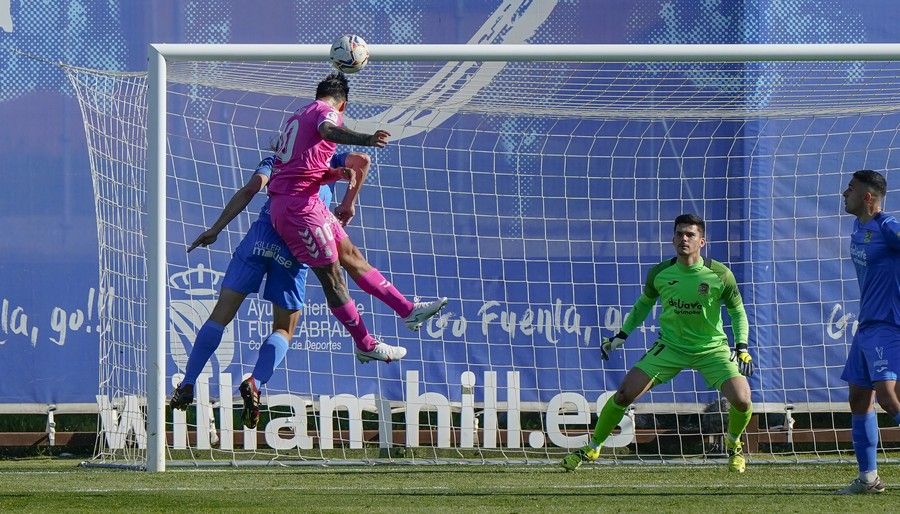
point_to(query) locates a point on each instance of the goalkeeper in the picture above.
(691, 292)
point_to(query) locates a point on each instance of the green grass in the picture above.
(52, 485)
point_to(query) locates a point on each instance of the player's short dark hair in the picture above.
(335, 86)
(874, 180)
(691, 219)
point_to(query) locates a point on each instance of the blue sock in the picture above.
(271, 353)
(897, 419)
(208, 338)
(865, 440)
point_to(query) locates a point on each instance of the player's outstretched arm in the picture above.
(639, 312)
(235, 206)
(345, 136)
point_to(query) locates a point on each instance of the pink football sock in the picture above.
(349, 317)
(376, 285)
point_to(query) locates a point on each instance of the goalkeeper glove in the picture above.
(741, 356)
(612, 343)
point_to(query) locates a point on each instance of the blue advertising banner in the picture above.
(533, 283)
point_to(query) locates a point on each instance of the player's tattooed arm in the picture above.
(345, 136)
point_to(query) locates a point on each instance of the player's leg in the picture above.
(342, 306)
(657, 366)
(243, 276)
(872, 368)
(286, 289)
(864, 433)
(370, 280)
(885, 367)
(888, 394)
(863, 421)
(635, 384)
(271, 354)
(210, 334)
(367, 348)
(274, 348)
(207, 341)
(313, 234)
(722, 374)
(737, 391)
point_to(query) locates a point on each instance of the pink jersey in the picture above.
(301, 163)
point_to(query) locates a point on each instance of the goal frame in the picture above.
(159, 55)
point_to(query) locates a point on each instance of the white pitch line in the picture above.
(218, 487)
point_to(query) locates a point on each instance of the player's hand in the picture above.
(741, 356)
(351, 176)
(344, 214)
(379, 139)
(205, 239)
(612, 343)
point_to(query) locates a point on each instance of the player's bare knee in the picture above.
(886, 396)
(623, 398)
(359, 161)
(284, 320)
(737, 392)
(349, 254)
(742, 404)
(353, 260)
(890, 405)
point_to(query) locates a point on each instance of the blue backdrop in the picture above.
(49, 293)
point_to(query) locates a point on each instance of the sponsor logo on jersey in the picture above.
(683, 307)
(858, 254)
(271, 251)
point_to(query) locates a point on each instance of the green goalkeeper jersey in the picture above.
(691, 298)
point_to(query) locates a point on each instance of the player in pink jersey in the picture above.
(315, 236)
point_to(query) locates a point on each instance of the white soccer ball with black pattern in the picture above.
(349, 53)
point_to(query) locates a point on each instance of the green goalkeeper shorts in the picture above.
(662, 362)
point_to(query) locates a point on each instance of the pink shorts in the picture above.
(308, 228)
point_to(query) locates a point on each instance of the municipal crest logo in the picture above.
(703, 289)
(192, 298)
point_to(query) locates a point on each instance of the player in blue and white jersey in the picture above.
(874, 359)
(260, 253)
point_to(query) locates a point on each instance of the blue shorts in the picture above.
(262, 253)
(874, 355)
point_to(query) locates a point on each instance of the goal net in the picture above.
(535, 194)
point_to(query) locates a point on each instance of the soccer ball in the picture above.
(349, 53)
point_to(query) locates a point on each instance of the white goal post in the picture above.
(681, 100)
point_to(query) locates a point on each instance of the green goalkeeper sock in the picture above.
(609, 417)
(737, 422)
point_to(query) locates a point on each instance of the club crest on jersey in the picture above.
(881, 364)
(703, 289)
(868, 238)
